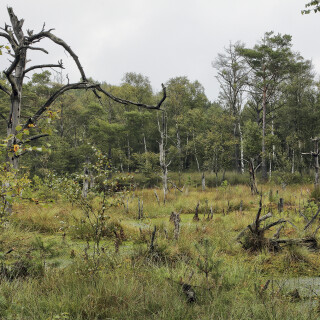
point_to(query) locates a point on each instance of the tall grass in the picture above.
(135, 282)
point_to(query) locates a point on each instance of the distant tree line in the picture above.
(267, 113)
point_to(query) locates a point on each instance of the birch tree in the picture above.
(233, 77)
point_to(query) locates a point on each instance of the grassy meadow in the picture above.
(55, 265)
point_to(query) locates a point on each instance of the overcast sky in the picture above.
(161, 38)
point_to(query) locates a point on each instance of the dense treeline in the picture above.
(267, 112)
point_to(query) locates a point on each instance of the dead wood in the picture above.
(175, 218)
(252, 237)
(312, 220)
(196, 214)
(153, 236)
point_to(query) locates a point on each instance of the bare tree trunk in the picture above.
(270, 167)
(241, 149)
(187, 154)
(195, 152)
(292, 167)
(315, 155)
(128, 153)
(87, 177)
(203, 182)
(252, 172)
(162, 156)
(179, 151)
(271, 158)
(236, 146)
(316, 162)
(145, 143)
(61, 120)
(15, 75)
(85, 186)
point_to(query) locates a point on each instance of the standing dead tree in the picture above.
(19, 44)
(162, 127)
(252, 172)
(175, 218)
(315, 155)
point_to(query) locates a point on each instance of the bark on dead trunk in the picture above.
(162, 156)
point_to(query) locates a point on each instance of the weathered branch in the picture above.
(41, 110)
(310, 242)
(5, 90)
(277, 234)
(3, 117)
(52, 37)
(267, 227)
(36, 48)
(257, 222)
(16, 25)
(265, 217)
(10, 37)
(59, 65)
(127, 102)
(174, 185)
(315, 232)
(13, 65)
(38, 136)
(86, 85)
(312, 220)
(5, 35)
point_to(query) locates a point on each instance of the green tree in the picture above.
(184, 96)
(270, 62)
(233, 77)
(313, 5)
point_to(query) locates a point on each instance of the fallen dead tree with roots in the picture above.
(253, 237)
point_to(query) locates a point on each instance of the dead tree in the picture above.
(19, 44)
(315, 155)
(252, 172)
(86, 180)
(175, 218)
(203, 182)
(196, 213)
(157, 197)
(280, 205)
(253, 236)
(162, 154)
(153, 237)
(140, 208)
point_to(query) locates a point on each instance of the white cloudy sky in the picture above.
(161, 38)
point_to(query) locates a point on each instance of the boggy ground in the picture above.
(51, 268)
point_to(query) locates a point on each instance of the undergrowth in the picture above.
(50, 271)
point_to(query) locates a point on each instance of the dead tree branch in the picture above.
(41, 66)
(312, 220)
(5, 90)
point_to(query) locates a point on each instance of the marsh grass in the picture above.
(136, 283)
